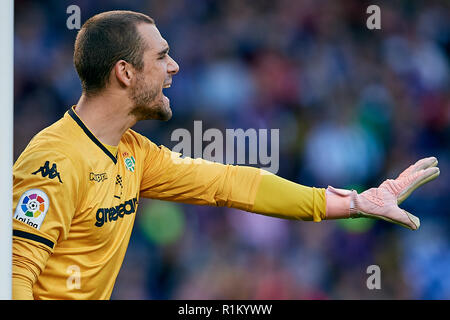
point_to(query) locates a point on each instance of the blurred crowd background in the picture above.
(354, 107)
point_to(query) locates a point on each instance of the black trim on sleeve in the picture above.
(34, 237)
(91, 136)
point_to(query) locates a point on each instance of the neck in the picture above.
(106, 115)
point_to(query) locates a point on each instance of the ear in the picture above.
(124, 73)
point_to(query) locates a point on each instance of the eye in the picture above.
(163, 54)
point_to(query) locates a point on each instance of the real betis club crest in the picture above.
(130, 163)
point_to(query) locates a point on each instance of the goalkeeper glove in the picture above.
(382, 202)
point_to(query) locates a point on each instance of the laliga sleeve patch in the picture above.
(32, 207)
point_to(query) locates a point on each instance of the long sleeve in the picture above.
(167, 176)
(282, 198)
(44, 198)
(28, 261)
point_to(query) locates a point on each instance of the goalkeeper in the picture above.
(77, 184)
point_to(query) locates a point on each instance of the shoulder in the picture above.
(138, 140)
(50, 146)
(58, 138)
(146, 150)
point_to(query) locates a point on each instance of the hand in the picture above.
(382, 202)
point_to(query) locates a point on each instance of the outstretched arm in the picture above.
(169, 177)
(197, 181)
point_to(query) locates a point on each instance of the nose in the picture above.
(172, 67)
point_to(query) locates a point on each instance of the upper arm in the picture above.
(45, 189)
(168, 176)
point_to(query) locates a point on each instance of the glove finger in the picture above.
(416, 180)
(394, 215)
(422, 164)
(414, 222)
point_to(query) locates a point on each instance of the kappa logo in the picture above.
(98, 177)
(46, 171)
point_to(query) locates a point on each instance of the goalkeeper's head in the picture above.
(122, 53)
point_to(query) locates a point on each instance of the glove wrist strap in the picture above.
(341, 203)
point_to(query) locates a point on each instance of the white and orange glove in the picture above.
(383, 202)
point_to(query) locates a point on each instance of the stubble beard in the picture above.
(149, 104)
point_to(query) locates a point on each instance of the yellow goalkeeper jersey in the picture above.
(75, 202)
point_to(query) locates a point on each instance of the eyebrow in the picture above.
(164, 51)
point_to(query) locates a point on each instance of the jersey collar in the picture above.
(91, 135)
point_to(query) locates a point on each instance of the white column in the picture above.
(6, 143)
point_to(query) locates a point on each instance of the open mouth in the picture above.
(166, 86)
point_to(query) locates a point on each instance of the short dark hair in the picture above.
(105, 39)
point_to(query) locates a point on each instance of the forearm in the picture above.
(285, 199)
(28, 261)
(22, 283)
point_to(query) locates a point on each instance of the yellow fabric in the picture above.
(25, 270)
(282, 198)
(112, 149)
(197, 181)
(76, 251)
(23, 287)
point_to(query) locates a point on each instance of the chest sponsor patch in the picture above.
(32, 207)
